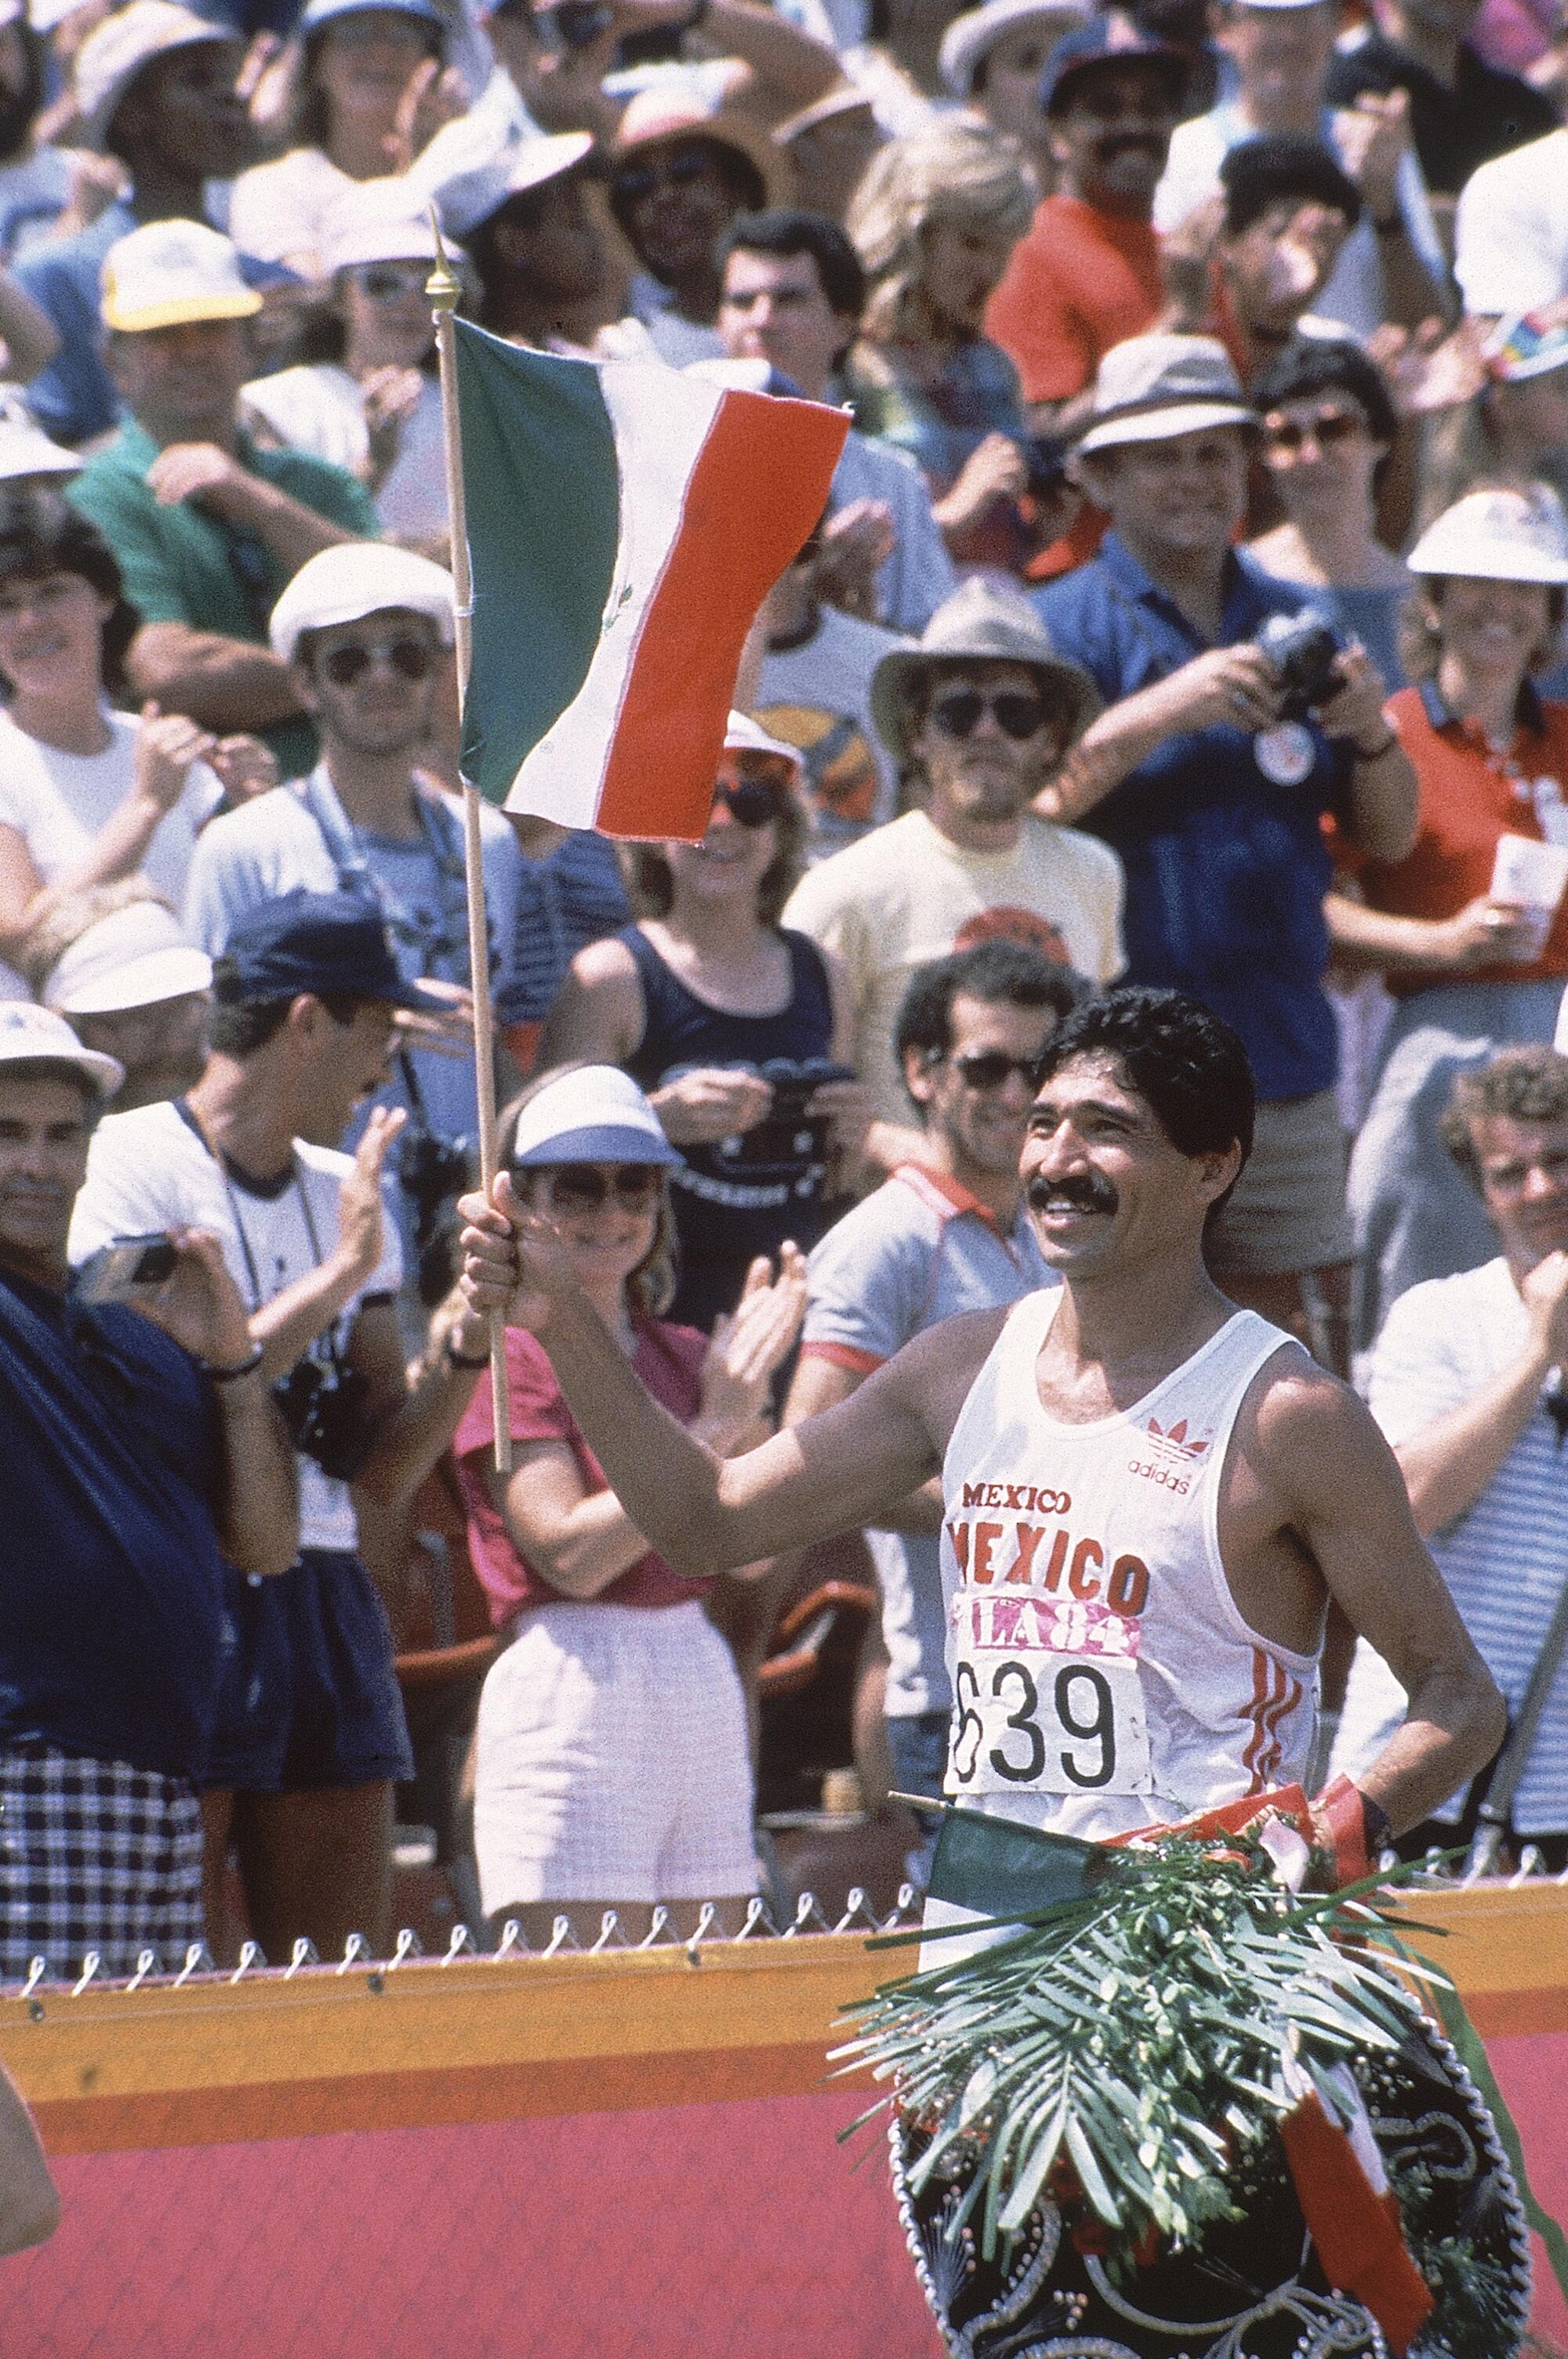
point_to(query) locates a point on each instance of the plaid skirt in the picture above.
(94, 1855)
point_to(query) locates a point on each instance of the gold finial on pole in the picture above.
(443, 289)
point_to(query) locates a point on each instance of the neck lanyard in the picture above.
(186, 1113)
(345, 848)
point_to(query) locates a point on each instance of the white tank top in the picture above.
(1103, 1678)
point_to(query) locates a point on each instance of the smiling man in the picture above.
(1151, 1496)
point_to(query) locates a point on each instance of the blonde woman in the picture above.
(935, 220)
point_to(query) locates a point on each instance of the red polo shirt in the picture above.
(1080, 281)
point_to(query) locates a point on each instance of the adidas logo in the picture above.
(1176, 1444)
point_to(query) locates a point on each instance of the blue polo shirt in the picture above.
(1226, 873)
(110, 1585)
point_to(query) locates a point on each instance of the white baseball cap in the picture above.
(1498, 535)
(596, 1115)
(356, 579)
(114, 52)
(376, 221)
(170, 273)
(970, 37)
(25, 448)
(30, 1034)
(744, 736)
(133, 958)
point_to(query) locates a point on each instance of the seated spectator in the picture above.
(720, 1013)
(612, 1768)
(366, 633)
(88, 794)
(935, 220)
(1213, 792)
(1463, 111)
(155, 88)
(142, 1458)
(947, 1233)
(814, 690)
(206, 527)
(793, 293)
(682, 168)
(361, 58)
(977, 717)
(1328, 425)
(991, 61)
(1088, 274)
(311, 1733)
(1466, 1383)
(533, 245)
(1288, 211)
(1280, 52)
(1472, 967)
(375, 412)
(115, 963)
(1510, 231)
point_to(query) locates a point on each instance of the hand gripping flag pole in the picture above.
(443, 291)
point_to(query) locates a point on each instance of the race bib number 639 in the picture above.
(1046, 1698)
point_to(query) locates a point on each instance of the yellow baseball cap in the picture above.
(169, 272)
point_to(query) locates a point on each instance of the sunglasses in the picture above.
(749, 802)
(1331, 430)
(384, 282)
(681, 170)
(1017, 714)
(409, 658)
(586, 1187)
(989, 1069)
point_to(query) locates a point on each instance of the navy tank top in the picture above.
(745, 1195)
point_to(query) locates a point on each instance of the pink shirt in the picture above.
(669, 1360)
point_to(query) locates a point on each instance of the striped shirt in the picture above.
(575, 896)
(1506, 1560)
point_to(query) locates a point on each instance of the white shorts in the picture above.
(612, 1760)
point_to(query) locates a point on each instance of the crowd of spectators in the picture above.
(1187, 608)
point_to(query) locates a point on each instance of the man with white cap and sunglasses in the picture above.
(140, 1453)
(365, 632)
(115, 962)
(1211, 782)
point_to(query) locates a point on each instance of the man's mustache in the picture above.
(1088, 1192)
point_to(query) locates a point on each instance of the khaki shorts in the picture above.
(1288, 1213)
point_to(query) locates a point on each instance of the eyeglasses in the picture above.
(681, 170)
(990, 1069)
(1330, 429)
(749, 802)
(1017, 714)
(409, 658)
(388, 282)
(585, 1187)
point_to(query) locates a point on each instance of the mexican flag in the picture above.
(625, 524)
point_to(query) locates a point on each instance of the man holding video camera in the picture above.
(367, 630)
(307, 1000)
(1233, 724)
(138, 1454)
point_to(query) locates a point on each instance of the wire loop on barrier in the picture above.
(305, 1954)
(89, 1965)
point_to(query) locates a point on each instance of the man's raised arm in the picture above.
(702, 1513)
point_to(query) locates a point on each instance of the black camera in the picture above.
(786, 1131)
(1306, 653)
(434, 1171)
(326, 1407)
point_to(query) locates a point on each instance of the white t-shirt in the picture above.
(817, 696)
(907, 894)
(1510, 233)
(321, 411)
(277, 212)
(150, 1170)
(58, 803)
(677, 341)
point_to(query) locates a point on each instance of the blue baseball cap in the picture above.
(594, 1114)
(1109, 40)
(326, 944)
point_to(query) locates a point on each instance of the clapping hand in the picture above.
(748, 1349)
(166, 745)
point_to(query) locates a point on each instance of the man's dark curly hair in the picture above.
(1185, 1064)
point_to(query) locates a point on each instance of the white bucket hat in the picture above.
(970, 37)
(30, 1034)
(596, 1115)
(114, 52)
(133, 958)
(1153, 387)
(356, 579)
(172, 272)
(1498, 535)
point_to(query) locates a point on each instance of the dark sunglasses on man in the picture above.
(990, 1069)
(1018, 714)
(410, 658)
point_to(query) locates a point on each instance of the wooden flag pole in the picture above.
(443, 291)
